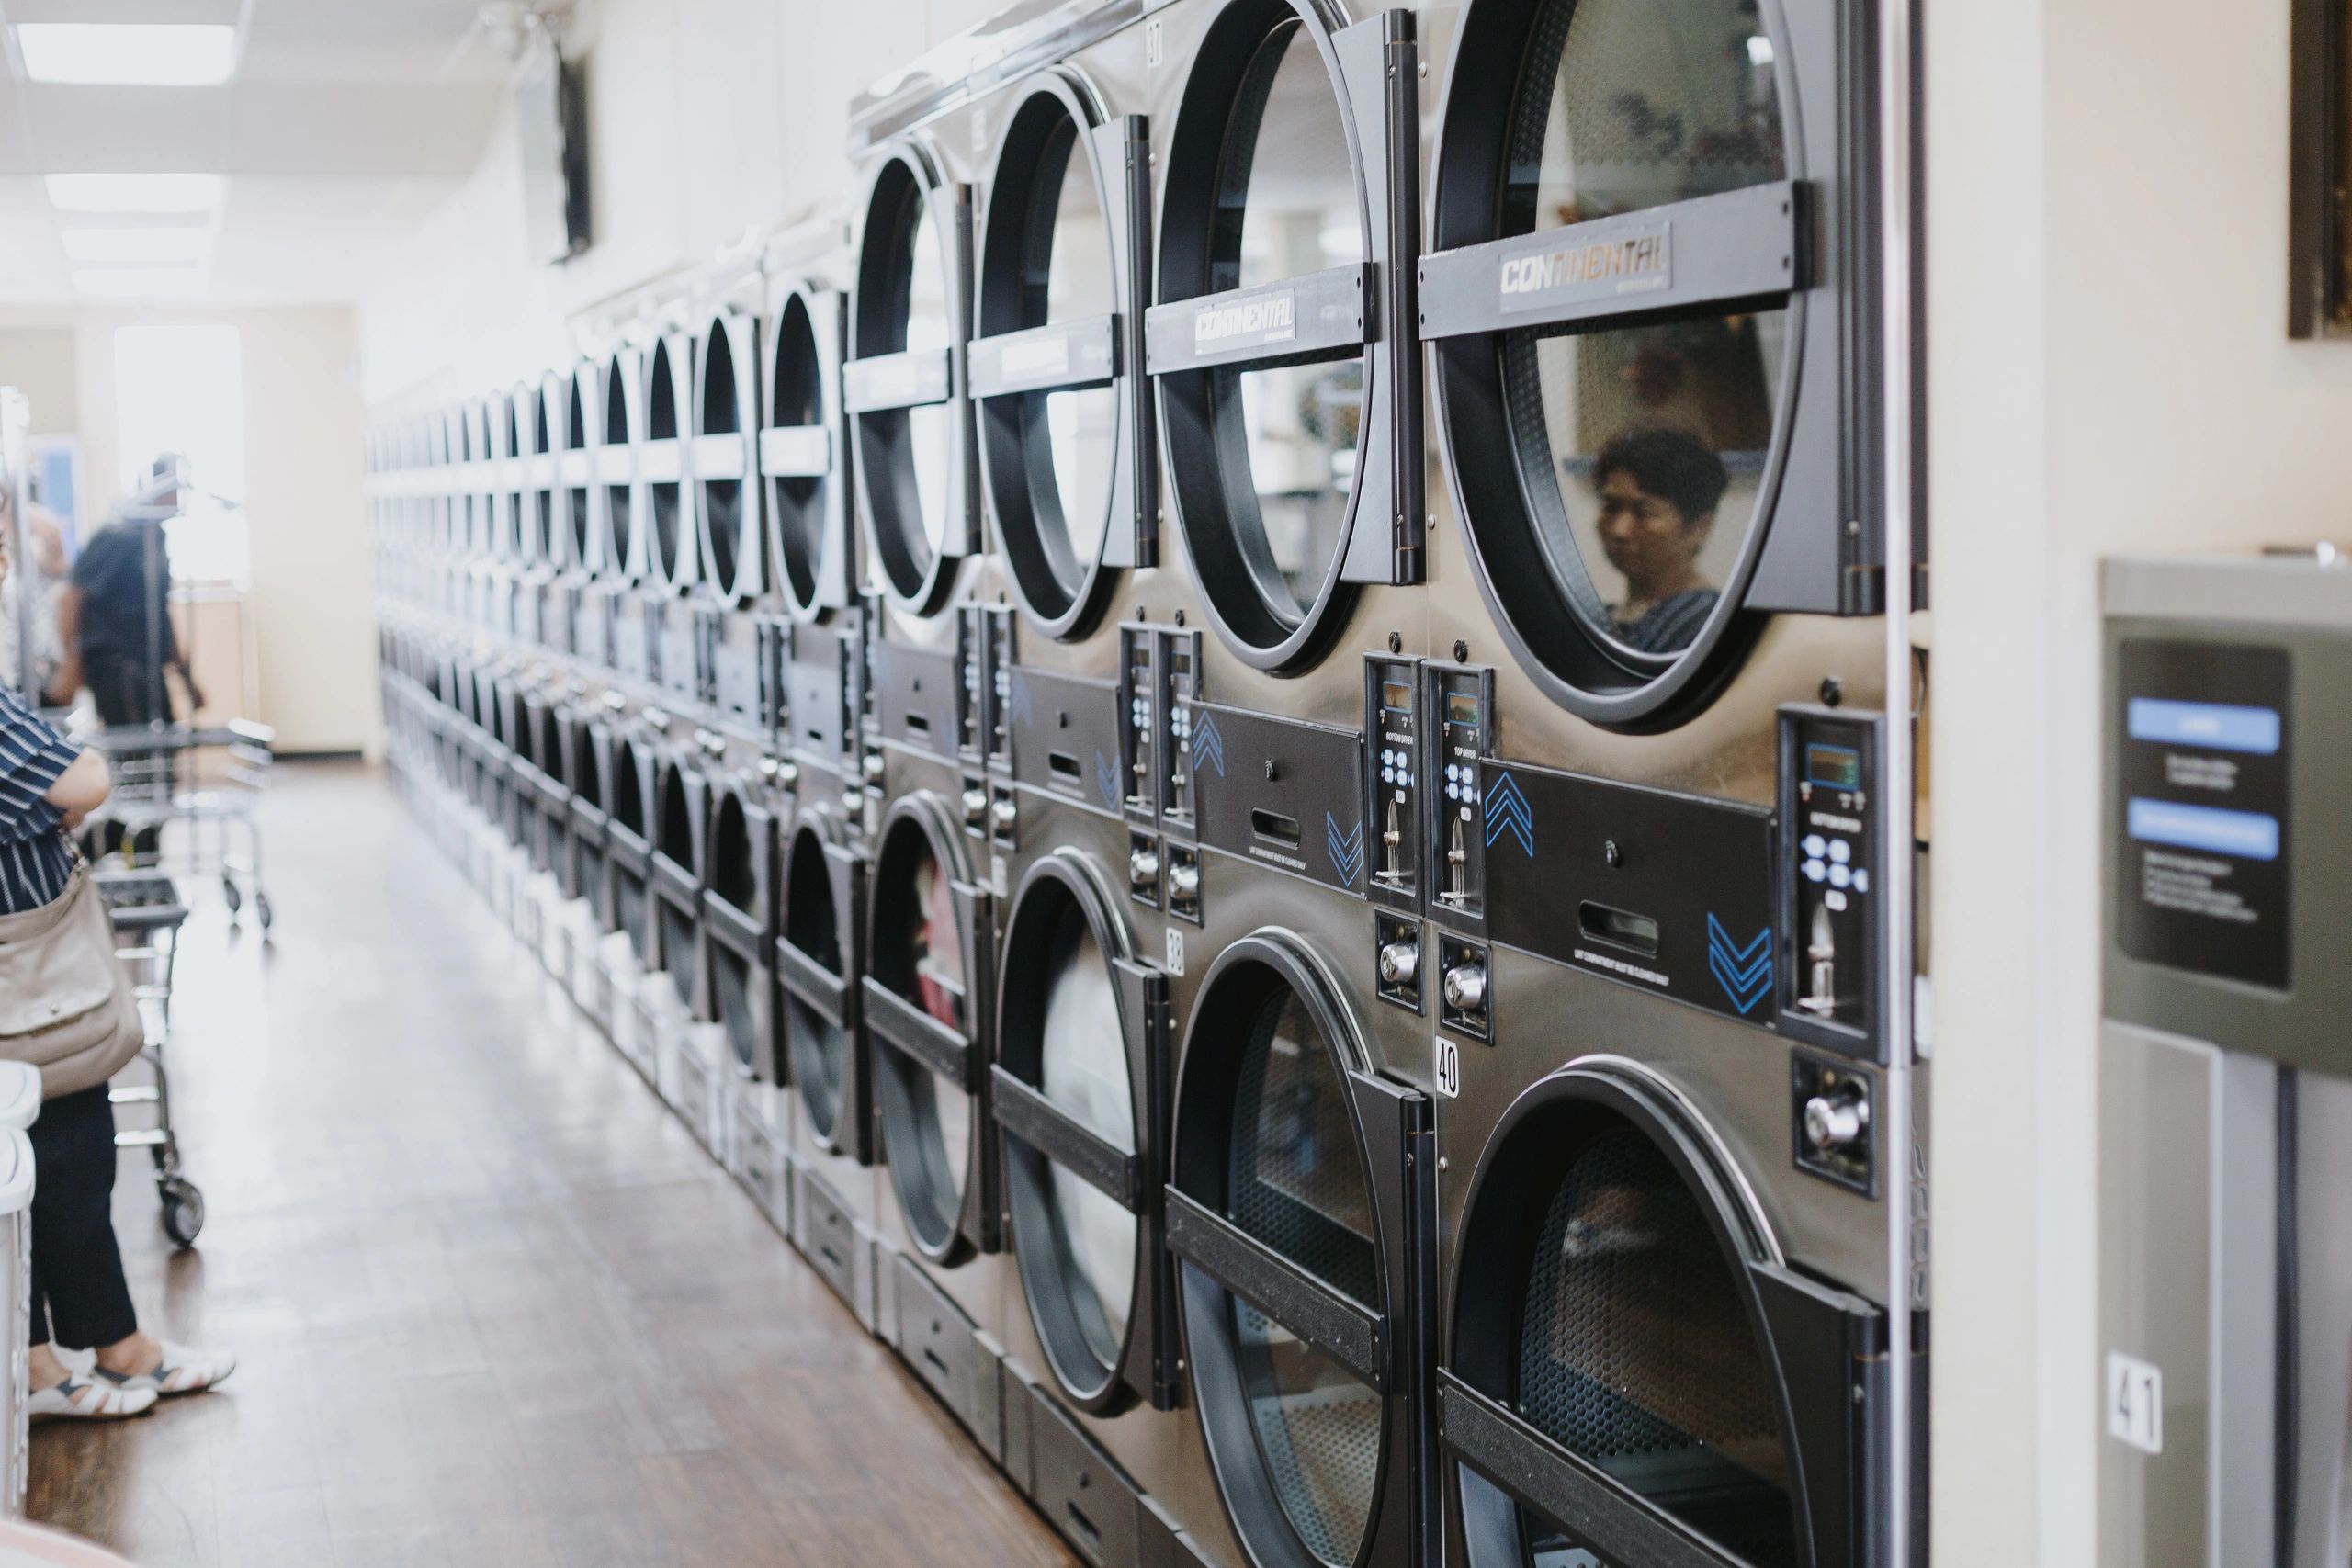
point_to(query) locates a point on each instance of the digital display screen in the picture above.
(1462, 707)
(1397, 696)
(1835, 767)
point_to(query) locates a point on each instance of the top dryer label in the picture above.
(1631, 261)
(1260, 317)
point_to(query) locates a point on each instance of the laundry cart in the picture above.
(147, 912)
(185, 801)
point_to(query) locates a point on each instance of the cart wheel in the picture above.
(183, 1208)
(229, 893)
(261, 910)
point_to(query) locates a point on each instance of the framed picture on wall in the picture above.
(2319, 227)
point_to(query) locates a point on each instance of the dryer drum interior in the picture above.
(672, 559)
(923, 1000)
(743, 850)
(1641, 391)
(621, 430)
(903, 382)
(1261, 341)
(724, 407)
(1630, 1361)
(1047, 364)
(1285, 1207)
(815, 956)
(808, 537)
(1073, 1089)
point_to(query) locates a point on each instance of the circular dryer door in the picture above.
(1620, 323)
(817, 963)
(924, 1000)
(1605, 1309)
(1271, 1212)
(539, 417)
(904, 379)
(1045, 363)
(1075, 1062)
(682, 801)
(724, 406)
(801, 457)
(1260, 342)
(668, 379)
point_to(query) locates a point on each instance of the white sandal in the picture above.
(67, 1402)
(182, 1370)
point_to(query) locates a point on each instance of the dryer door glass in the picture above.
(575, 439)
(1635, 1352)
(797, 501)
(926, 1119)
(1050, 409)
(819, 1047)
(1082, 1063)
(932, 426)
(1643, 447)
(661, 423)
(1296, 1183)
(1286, 164)
(620, 510)
(719, 412)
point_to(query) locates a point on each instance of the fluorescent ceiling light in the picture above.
(181, 243)
(175, 54)
(133, 193)
(137, 282)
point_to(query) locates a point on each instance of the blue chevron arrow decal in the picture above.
(1743, 970)
(1346, 849)
(1106, 781)
(1208, 745)
(1508, 811)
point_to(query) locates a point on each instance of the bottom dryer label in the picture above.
(1669, 893)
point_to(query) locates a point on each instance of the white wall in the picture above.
(312, 602)
(2109, 372)
(708, 120)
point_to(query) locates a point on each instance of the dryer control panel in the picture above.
(1392, 709)
(1829, 964)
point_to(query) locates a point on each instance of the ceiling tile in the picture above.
(302, 128)
(214, 11)
(84, 130)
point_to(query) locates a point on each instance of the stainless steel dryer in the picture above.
(680, 615)
(628, 848)
(587, 773)
(820, 682)
(540, 765)
(503, 548)
(1653, 820)
(739, 904)
(738, 632)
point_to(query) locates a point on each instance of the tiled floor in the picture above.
(494, 1306)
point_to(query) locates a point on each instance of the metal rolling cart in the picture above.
(184, 802)
(147, 911)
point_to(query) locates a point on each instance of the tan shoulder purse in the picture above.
(67, 1003)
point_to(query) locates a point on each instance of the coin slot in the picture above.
(1276, 827)
(1090, 1540)
(1065, 768)
(1637, 933)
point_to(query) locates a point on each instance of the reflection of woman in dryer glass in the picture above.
(1657, 490)
(938, 957)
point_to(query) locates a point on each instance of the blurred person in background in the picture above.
(115, 616)
(49, 786)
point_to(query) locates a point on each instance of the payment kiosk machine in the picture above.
(2225, 1135)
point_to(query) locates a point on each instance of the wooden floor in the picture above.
(492, 1305)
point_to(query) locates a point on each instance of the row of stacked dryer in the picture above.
(1265, 699)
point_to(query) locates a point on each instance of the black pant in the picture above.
(77, 1283)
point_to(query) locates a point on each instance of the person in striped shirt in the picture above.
(48, 786)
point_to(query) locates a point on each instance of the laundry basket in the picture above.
(16, 1265)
